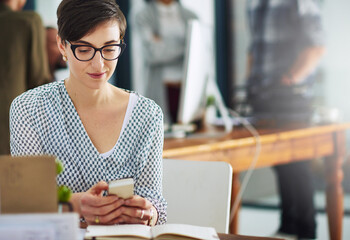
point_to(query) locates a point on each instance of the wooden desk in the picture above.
(223, 236)
(279, 146)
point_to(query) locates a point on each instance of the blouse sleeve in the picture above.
(24, 140)
(150, 181)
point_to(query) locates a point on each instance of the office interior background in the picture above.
(228, 23)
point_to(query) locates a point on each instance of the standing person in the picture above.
(23, 60)
(99, 132)
(163, 25)
(286, 46)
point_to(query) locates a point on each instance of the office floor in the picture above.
(260, 221)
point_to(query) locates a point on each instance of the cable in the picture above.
(250, 170)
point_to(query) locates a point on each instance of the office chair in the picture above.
(198, 193)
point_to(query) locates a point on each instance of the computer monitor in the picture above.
(192, 101)
(199, 78)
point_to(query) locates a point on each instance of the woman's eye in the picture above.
(109, 49)
(84, 50)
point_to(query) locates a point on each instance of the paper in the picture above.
(136, 230)
(27, 232)
(185, 230)
(39, 226)
(167, 231)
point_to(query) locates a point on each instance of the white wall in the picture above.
(47, 10)
(336, 62)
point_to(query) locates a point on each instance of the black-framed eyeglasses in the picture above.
(86, 52)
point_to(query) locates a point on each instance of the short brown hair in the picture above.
(76, 18)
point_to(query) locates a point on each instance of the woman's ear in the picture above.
(61, 46)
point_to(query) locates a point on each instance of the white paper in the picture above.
(65, 226)
(198, 232)
(27, 232)
(149, 233)
(118, 230)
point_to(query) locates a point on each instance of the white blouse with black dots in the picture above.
(44, 121)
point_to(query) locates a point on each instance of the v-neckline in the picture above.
(86, 135)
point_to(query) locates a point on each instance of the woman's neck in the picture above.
(83, 96)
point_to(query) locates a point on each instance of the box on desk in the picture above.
(28, 184)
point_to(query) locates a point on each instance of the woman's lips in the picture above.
(96, 75)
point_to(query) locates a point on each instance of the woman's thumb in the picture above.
(99, 187)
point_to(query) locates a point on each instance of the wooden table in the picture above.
(279, 146)
(223, 236)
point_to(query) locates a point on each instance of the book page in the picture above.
(185, 230)
(136, 230)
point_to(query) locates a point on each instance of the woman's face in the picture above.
(97, 71)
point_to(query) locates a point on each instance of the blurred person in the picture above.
(287, 44)
(163, 27)
(54, 56)
(23, 60)
(100, 132)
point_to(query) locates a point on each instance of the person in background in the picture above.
(287, 43)
(53, 54)
(163, 24)
(23, 60)
(99, 132)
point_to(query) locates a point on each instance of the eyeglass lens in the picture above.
(109, 52)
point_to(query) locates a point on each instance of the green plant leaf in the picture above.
(59, 166)
(210, 100)
(64, 193)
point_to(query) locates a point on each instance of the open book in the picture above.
(136, 231)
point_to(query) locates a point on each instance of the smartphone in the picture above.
(123, 188)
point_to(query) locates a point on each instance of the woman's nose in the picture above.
(97, 61)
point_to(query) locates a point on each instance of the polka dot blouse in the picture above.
(44, 121)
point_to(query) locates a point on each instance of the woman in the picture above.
(163, 26)
(100, 132)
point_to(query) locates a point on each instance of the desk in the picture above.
(279, 146)
(223, 236)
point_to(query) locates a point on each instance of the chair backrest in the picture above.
(198, 192)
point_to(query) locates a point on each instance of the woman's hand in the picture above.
(96, 208)
(138, 210)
